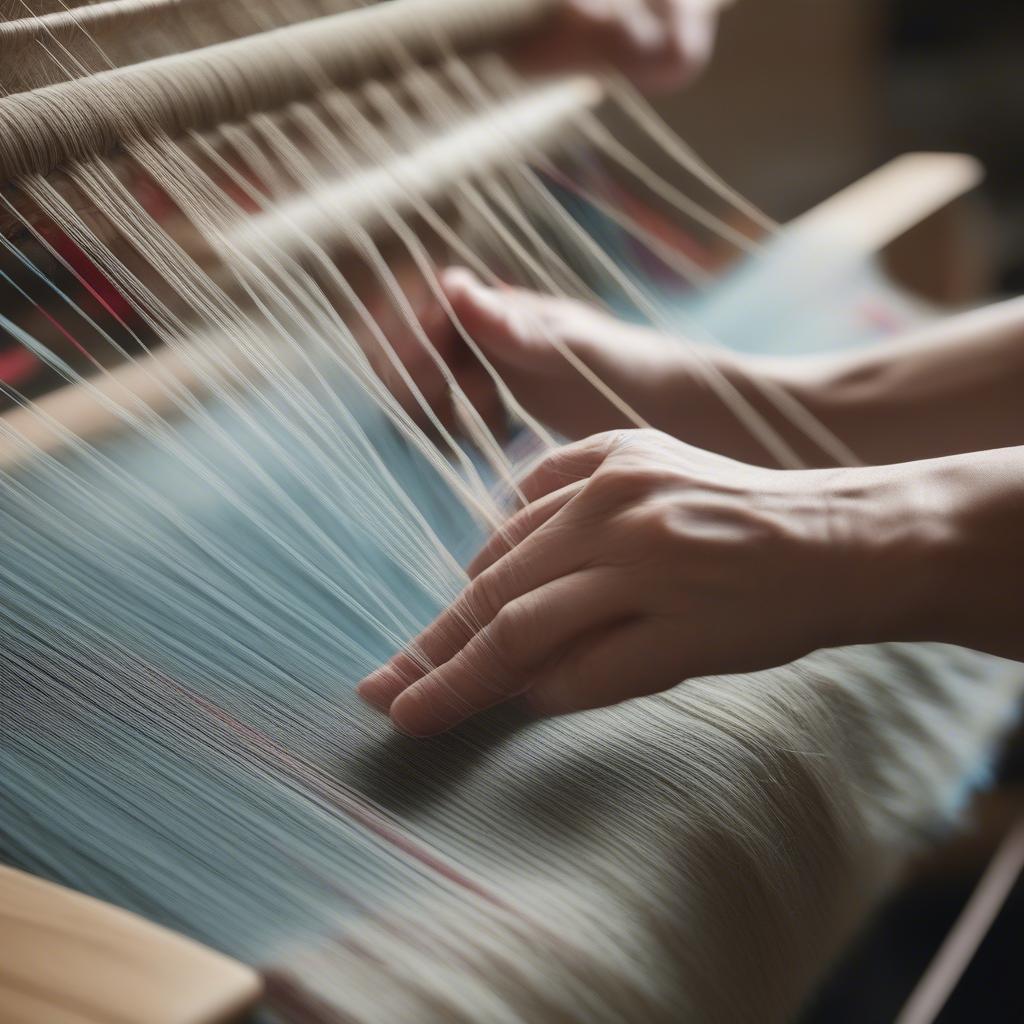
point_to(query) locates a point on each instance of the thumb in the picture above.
(505, 322)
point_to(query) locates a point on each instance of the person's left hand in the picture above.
(641, 562)
(660, 45)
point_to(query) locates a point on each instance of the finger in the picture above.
(484, 312)
(694, 35)
(522, 525)
(380, 688)
(530, 567)
(632, 660)
(689, 36)
(566, 465)
(500, 661)
(462, 285)
(507, 323)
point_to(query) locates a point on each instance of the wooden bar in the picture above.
(44, 128)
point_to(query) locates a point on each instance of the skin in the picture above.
(638, 554)
(661, 45)
(948, 389)
(643, 558)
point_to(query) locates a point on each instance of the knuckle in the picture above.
(506, 634)
(550, 465)
(622, 438)
(520, 527)
(649, 437)
(448, 633)
(499, 545)
(658, 524)
(639, 442)
(484, 600)
(506, 648)
(623, 483)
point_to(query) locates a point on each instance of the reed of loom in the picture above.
(141, 972)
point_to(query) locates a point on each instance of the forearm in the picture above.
(955, 387)
(935, 551)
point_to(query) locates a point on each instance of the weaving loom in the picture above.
(218, 233)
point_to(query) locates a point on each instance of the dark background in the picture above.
(952, 77)
(806, 96)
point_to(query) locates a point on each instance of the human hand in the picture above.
(524, 335)
(665, 381)
(641, 562)
(661, 45)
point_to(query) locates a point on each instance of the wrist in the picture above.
(896, 548)
(821, 384)
(691, 400)
(981, 565)
(771, 388)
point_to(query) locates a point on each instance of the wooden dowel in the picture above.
(476, 144)
(38, 50)
(44, 128)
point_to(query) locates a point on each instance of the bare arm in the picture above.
(954, 387)
(642, 561)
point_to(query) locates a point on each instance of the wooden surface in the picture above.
(69, 959)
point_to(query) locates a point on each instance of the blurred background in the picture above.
(803, 98)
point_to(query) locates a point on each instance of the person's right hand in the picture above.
(641, 562)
